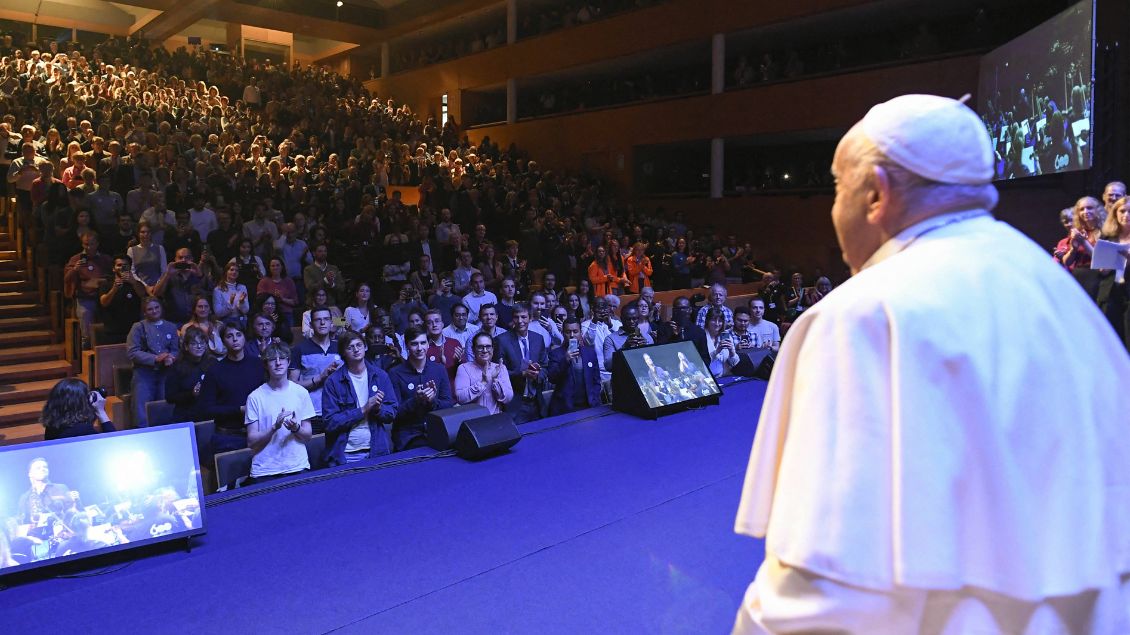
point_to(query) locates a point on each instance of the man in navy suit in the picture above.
(524, 355)
(574, 370)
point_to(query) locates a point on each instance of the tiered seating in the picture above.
(31, 359)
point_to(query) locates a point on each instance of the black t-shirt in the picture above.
(119, 316)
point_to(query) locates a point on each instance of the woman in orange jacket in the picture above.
(602, 274)
(638, 269)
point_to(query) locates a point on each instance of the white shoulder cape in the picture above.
(956, 414)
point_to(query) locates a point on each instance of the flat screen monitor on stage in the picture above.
(75, 498)
(1034, 95)
(657, 380)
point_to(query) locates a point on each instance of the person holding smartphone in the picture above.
(179, 285)
(380, 351)
(716, 345)
(120, 303)
(575, 371)
(541, 321)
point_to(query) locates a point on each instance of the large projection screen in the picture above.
(1034, 95)
(75, 498)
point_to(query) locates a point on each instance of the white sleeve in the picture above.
(254, 410)
(304, 409)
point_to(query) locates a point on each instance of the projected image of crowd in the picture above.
(62, 505)
(276, 251)
(1035, 97)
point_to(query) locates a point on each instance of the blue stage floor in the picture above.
(614, 525)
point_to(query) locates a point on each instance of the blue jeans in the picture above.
(148, 384)
(407, 437)
(380, 441)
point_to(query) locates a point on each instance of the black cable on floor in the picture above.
(319, 476)
(98, 572)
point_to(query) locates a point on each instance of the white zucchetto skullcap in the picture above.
(937, 138)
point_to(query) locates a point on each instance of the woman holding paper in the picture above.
(1080, 242)
(1112, 297)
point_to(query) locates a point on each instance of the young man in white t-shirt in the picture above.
(278, 420)
(768, 335)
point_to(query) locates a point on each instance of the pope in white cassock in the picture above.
(944, 445)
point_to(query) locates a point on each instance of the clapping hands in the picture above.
(426, 392)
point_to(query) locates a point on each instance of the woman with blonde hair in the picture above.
(1075, 251)
(637, 269)
(1085, 230)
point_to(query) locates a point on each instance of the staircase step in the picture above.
(20, 310)
(26, 391)
(15, 324)
(31, 371)
(37, 353)
(21, 285)
(18, 297)
(12, 274)
(25, 338)
(11, 263)
(24, 426)
(6, 253)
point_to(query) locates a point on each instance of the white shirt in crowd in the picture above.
(284, 453)
(359, 435)
(461, 335)
(203, 221)
(594, 334)
(473, 303)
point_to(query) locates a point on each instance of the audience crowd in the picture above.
(248, 245)
(447, 46)
(865, 45)
(1089, 222)
(668, 80)
(546, 17)
(535, 19)
(247, 242)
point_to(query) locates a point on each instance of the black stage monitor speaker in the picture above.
(441, 426)
(757, 363)
(658, 380)
(485, 436)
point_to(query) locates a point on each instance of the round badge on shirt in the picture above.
(590, 364)
(432, 358)
(374, 389)
(411, 386)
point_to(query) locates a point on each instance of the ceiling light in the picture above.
(339, 3)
